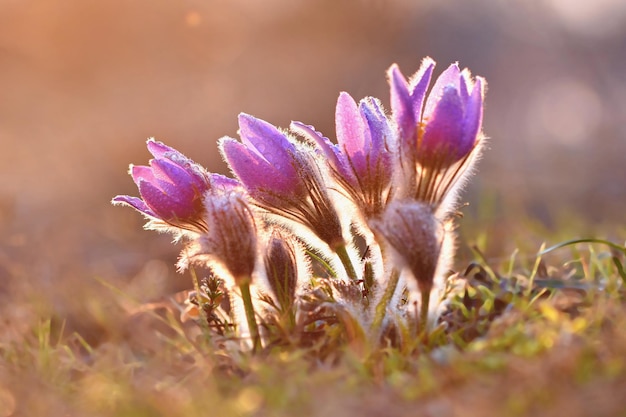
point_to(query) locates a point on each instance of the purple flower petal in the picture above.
(331, 152)
(267, 142)
(378, 126)
(401, 105)
(353, 134)
(159, 150)
(450, 77)
(443, 134)
(134, 202)
(224, 183)
(164, 152)
(326, 146)
(164, 206)
(419, 84)
(141, 173)
(407, 100)
(167, 171)
(474, 112)
(464, 80)
(173, 180)
(255, 172)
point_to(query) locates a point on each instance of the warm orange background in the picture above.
(84, 83)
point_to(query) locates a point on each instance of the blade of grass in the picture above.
(533, 274)
(615, 246)
(586, 240)
(479, 254)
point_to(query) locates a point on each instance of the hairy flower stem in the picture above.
(250, 317)
(342, 252)
(423, 321)
(381, 307)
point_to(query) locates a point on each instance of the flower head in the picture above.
(416, 235)
(452, 118)
(360, 162)
(229, 247)
(281, 266)
(420, 242)
(171, 187)
(263, 161)
(362, 132)
(282, 177)
(437, 134)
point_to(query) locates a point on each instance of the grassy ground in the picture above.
(540, 336)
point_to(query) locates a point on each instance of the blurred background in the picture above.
(83, 84)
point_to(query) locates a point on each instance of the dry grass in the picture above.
(550, 345)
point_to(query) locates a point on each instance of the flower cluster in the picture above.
(358, 230)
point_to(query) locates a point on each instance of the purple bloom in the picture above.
(447, 129)
(264, 161)
(360, 161)
(171, 188)
(407, 99)
(331, 152)
(361, 132)
(282, 177)
(438, 136)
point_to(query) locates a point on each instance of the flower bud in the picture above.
(416, 236)
(282, 268)
(360, 162)
(171, 188)
(283, 178)
(263, 161)
(231, 242)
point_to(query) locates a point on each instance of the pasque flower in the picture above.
(418, 238)
(360, 162)
(281, 266)
(172, 188)
(437, 133)
(282, 177)
(230, 246)
(264, 161)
